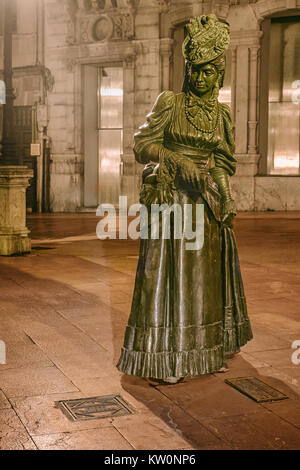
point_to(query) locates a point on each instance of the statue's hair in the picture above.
(219, 63)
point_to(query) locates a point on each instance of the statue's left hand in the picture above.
(228, 213)
(228, 219)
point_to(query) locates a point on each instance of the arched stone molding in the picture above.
(182, 11)
(266, 8)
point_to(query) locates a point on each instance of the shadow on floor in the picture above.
(199, 406)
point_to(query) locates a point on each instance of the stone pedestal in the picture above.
(14, 236)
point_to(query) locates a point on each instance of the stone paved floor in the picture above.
(63, 311)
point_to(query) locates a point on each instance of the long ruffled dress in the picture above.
(188, 310)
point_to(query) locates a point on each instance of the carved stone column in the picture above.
(242, 99)
(128, 168)
(233, 82)
(14, 236)
(8, 139)
(129, 83)
(252, 123)
(166, 53)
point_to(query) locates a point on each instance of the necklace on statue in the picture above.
(202, 114)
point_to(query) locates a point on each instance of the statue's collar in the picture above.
(203, 114)
(195, 100)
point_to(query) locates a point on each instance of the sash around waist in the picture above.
(186, 149)
(200, 157)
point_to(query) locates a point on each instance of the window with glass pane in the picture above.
(225, 91)
(13, 11)
(110, 126)
(284, 73)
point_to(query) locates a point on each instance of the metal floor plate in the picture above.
(256, 389)
(109, 406)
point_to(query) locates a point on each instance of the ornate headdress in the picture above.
(207, 38)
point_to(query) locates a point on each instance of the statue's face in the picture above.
(203, 79)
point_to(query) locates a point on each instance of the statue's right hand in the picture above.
(148, 170)
(188, 172)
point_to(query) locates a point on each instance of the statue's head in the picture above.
(204, 48)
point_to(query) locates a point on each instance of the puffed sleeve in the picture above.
(224, 153)
(150, 136)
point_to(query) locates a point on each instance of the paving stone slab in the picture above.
(13, 435)
(93, 439)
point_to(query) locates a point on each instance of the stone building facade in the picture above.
(81, 64)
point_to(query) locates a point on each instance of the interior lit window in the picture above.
(2, 92)
(13, 10)
(284, 97)
(225, 91)
(110, 127)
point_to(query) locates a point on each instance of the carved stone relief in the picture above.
(114, 26)
(71, 7)
(103, 28)
(49, 80)
(103, 20)
(132, 5)
(100, 4)
(164, 5)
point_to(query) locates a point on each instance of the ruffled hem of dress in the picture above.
(171, 364)
(235, 338)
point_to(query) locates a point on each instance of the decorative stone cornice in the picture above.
(238, 2)
(245, 38)
(180, 13)
(129, 60)
(104, 52)
(163, 5)
(15, 176)
(14, 235)
(166, 47)
(97, 5)
(44, 72)
(148, 45)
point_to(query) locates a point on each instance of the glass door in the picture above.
(284, 106)
(110, 133)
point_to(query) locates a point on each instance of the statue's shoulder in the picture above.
(225, 109)
(226, 113)
(165, 100)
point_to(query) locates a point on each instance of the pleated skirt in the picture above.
(188, 310)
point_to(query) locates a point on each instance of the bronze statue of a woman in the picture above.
(189, 312)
